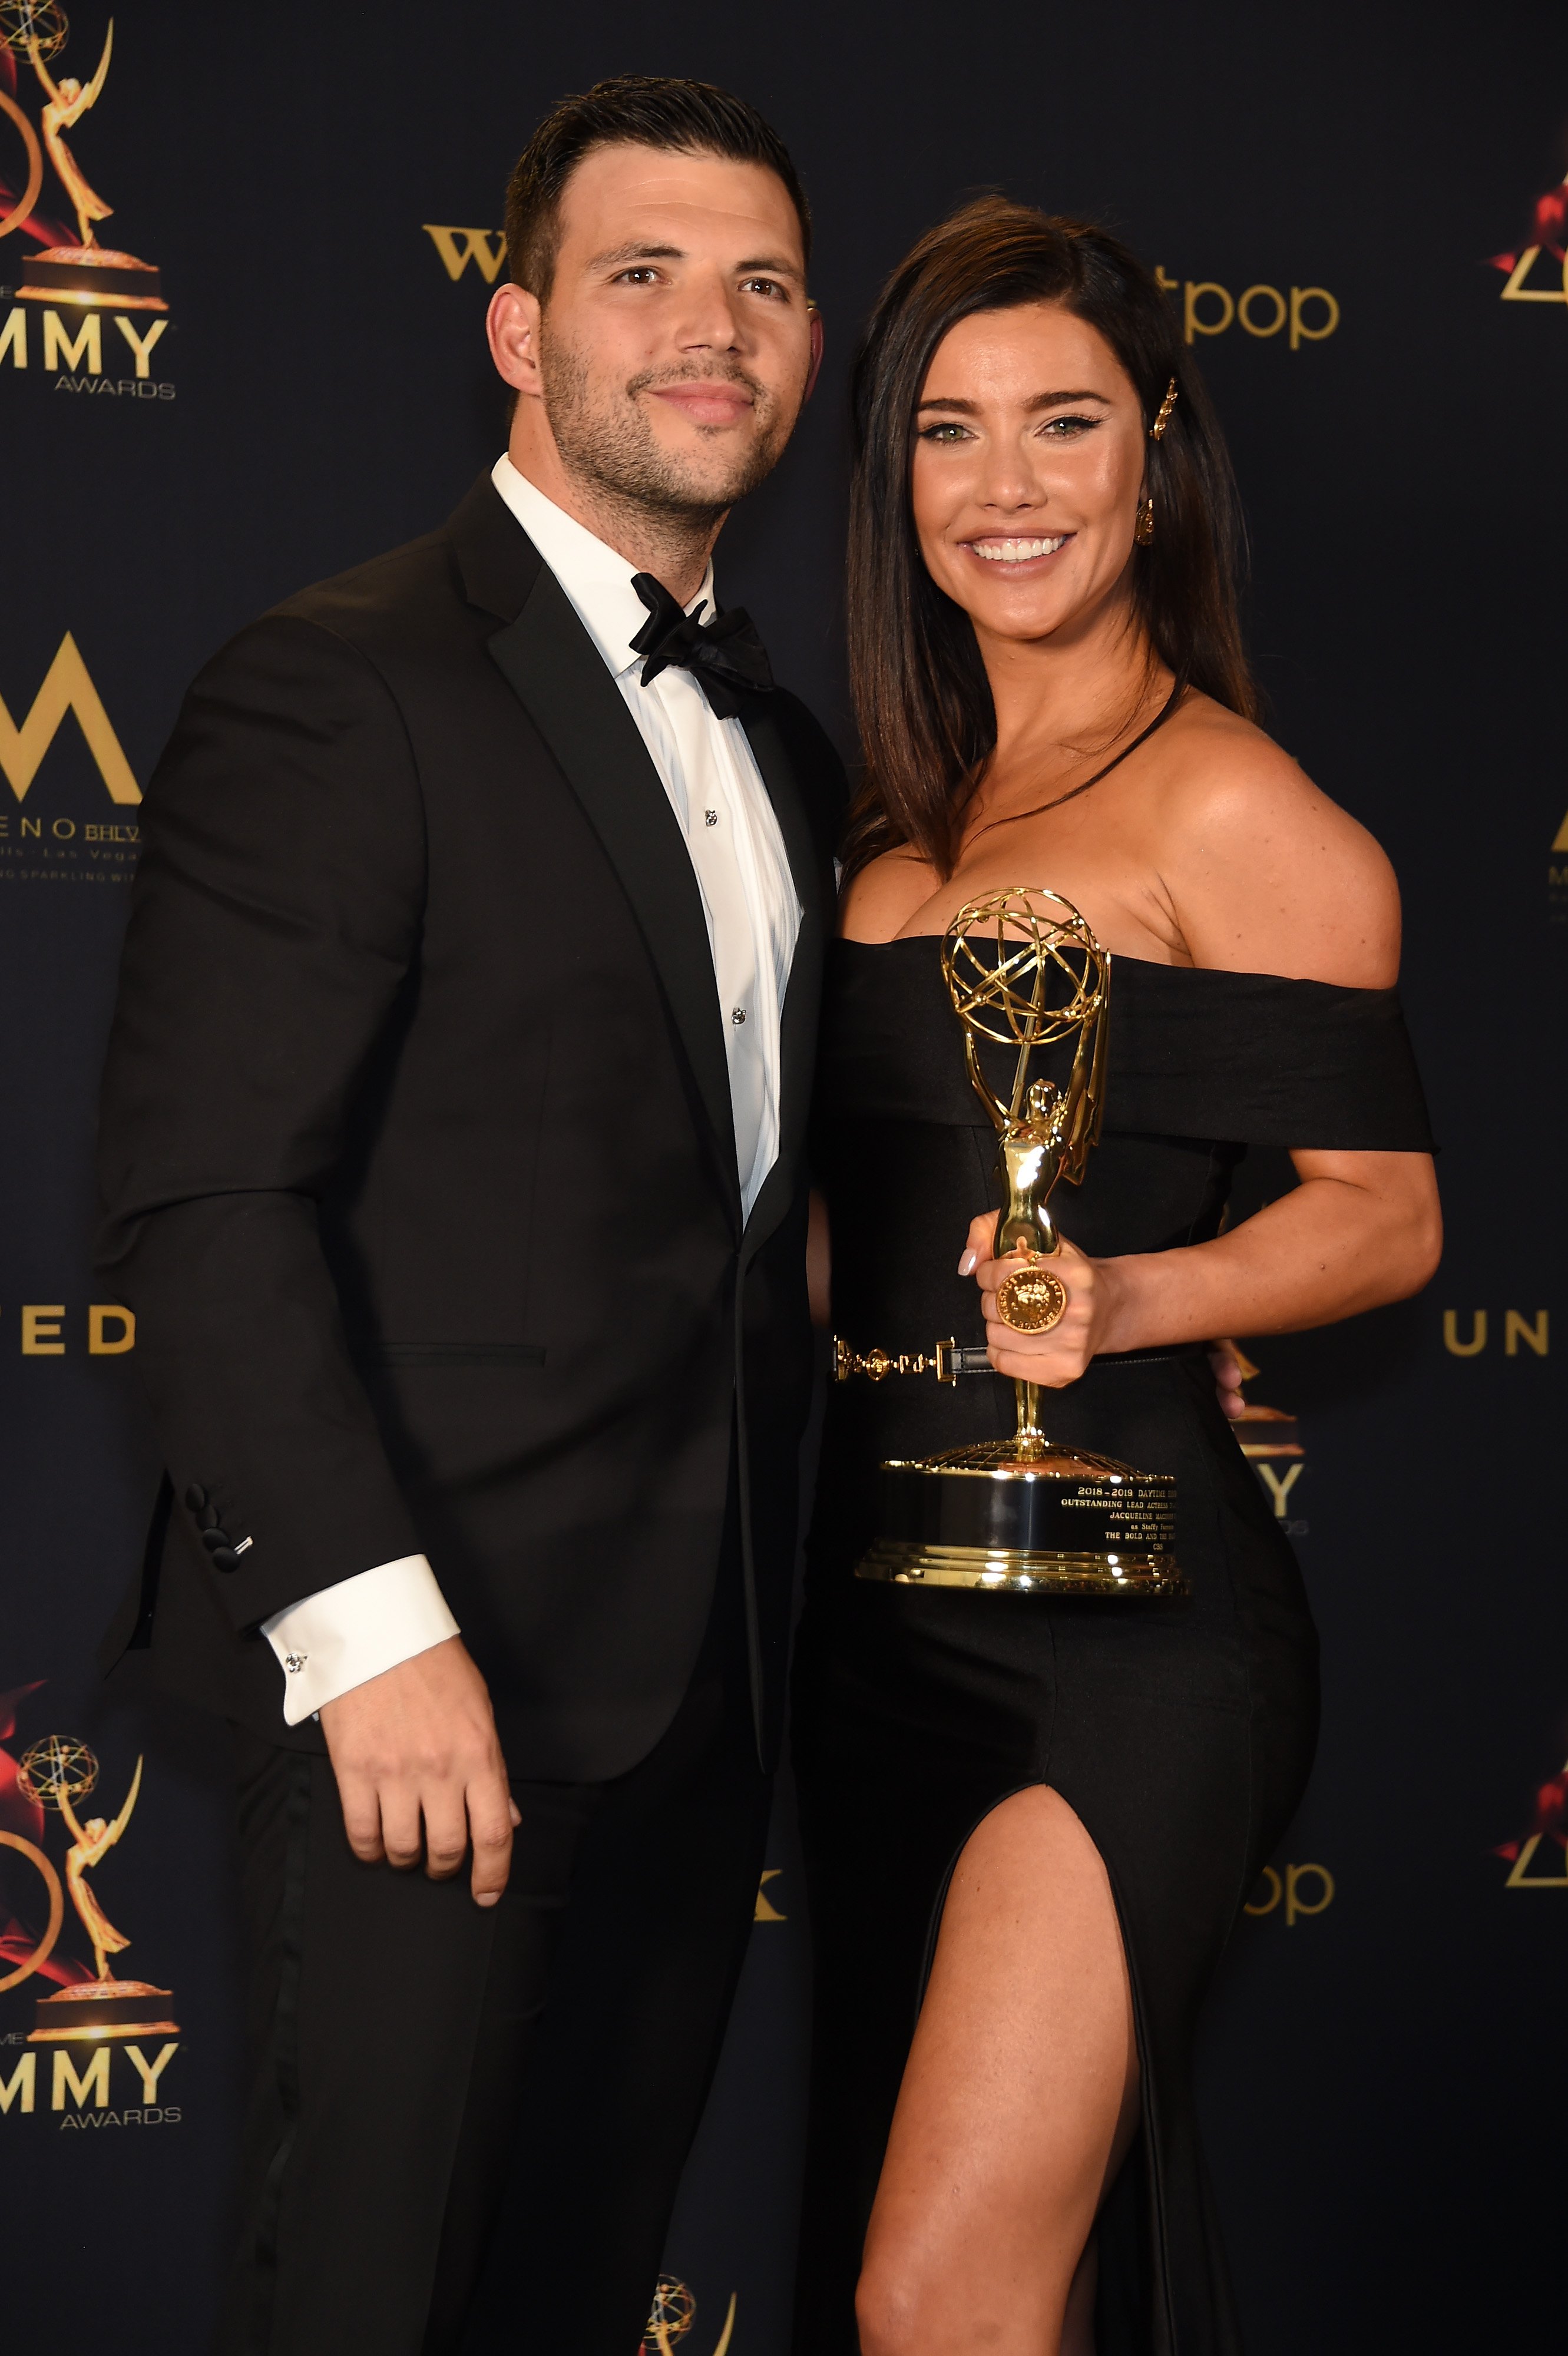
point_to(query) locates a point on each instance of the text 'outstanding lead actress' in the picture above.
(453, 1156)
(1031, 1818)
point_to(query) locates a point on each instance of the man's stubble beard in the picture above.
(610, 447)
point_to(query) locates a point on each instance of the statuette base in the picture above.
(1026, 1516)
(1017, 1571)
(97, 277)
(90, 2012)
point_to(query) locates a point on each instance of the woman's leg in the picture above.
(1019, 2101)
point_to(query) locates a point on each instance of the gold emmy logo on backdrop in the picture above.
(673, 2313)
(1557, 878)
(1540, 1861)
(92, 275)
(1024, 1514)
(1270, 1439)
(57, 1772)
(1545, 256)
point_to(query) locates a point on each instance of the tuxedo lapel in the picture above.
(812, 871)
(547, 658)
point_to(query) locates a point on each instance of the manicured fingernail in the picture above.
(968, 1263)
(487, 1896)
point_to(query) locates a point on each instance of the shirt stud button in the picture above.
(710, 817)
(737, 1014)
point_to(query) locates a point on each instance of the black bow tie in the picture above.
(721, 655)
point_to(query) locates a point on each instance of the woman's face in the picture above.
(1027, 471)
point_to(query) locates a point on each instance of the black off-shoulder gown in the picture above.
(1180, 1731)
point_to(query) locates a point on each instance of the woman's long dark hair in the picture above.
(928, 726)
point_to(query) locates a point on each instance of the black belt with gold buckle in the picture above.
(947, 1360)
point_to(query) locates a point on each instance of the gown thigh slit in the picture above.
(1125, 2130)
(1180, 1730)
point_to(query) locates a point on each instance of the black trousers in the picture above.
(467, 2125)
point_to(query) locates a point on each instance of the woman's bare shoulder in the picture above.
(1266, 873)
(1216, 765)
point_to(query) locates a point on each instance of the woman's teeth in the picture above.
(1017, 552)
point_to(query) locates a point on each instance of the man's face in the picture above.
(675, 348)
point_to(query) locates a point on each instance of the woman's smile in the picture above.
(1018, 554)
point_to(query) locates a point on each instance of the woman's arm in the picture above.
(1258, 871)
(1359, 1230)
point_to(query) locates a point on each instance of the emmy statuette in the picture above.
(55, 1772)
(1023, 1515)
(91, 276)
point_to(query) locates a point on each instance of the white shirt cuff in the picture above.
(345, 1635)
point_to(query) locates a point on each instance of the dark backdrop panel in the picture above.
(1381, 2069)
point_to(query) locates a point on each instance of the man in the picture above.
(452, 1155)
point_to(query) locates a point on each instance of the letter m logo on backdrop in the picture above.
(67, 688)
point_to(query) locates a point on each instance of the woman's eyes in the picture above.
(1055, 429)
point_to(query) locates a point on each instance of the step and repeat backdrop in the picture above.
(1361, 218)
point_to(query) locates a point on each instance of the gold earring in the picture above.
(1144, 530)
(1157, 429)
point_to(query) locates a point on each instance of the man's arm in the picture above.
(274, 917)
(353, 1632)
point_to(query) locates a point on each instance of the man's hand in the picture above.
(419, 1769)
(1225, 1364)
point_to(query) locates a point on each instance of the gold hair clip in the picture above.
(1164, 418)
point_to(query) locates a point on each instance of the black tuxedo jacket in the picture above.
(418, 1163)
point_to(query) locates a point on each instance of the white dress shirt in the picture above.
(369, 1622)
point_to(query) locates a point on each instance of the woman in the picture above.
(1031, 1822)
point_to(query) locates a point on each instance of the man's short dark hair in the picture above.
(683, 118)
